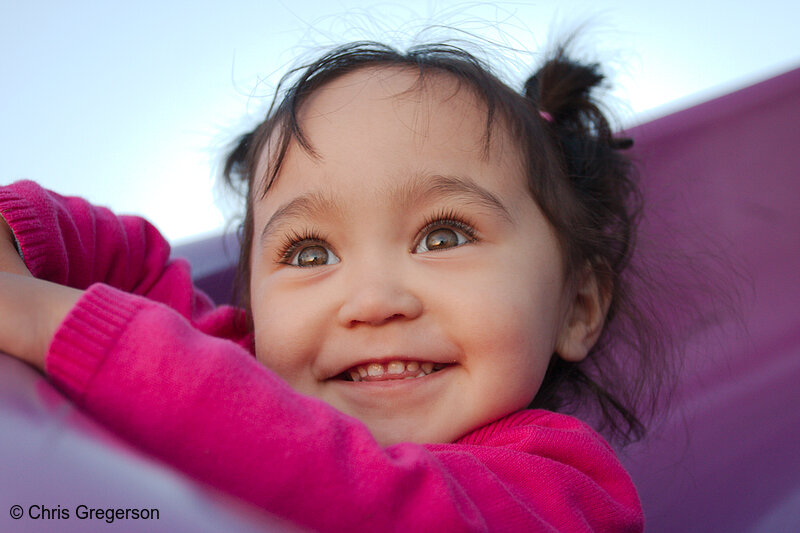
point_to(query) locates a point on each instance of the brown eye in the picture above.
(441, 238)
(314, 256)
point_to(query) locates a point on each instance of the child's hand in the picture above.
(10, 261)
(31, 311)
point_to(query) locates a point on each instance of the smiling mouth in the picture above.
(390, 371)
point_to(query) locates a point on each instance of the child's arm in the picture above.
(30, 311)
(207, 407)
(68, 241)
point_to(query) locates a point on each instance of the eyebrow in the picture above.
(423, 188)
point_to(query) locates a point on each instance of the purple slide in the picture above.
(722, 183)
(722, 189)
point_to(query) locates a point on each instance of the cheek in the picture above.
(511, 309)
(281, 328)
(508, 350)
(507, 328)
(510, 328)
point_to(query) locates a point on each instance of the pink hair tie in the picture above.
(547, 116)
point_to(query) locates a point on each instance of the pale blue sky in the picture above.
(130, 103)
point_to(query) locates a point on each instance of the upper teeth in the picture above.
(413, 369)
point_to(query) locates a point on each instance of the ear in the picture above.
(585, 317)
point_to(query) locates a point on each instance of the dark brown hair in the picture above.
(576, 173)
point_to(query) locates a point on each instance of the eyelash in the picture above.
(291, 243)
(446, 218)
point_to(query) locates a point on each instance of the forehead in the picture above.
(371, 97)
(394, 120)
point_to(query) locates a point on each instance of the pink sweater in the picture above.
(151, 357)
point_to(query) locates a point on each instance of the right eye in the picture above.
(314, 255)
(306, 250)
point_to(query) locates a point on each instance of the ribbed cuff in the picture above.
(27, 227)
(89, 331)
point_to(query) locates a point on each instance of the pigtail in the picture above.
(607, 199)
(562, 90)
(599, 229)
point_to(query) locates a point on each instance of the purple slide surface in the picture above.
(723, 178)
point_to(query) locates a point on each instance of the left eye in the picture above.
(440, 239)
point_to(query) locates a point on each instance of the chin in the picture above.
(387, 436)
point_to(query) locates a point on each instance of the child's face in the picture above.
(479, 293)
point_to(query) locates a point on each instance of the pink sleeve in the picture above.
(69, 241)
(207, 407)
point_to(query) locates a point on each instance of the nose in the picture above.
(376, 296)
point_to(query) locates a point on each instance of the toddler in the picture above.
(429, 260)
